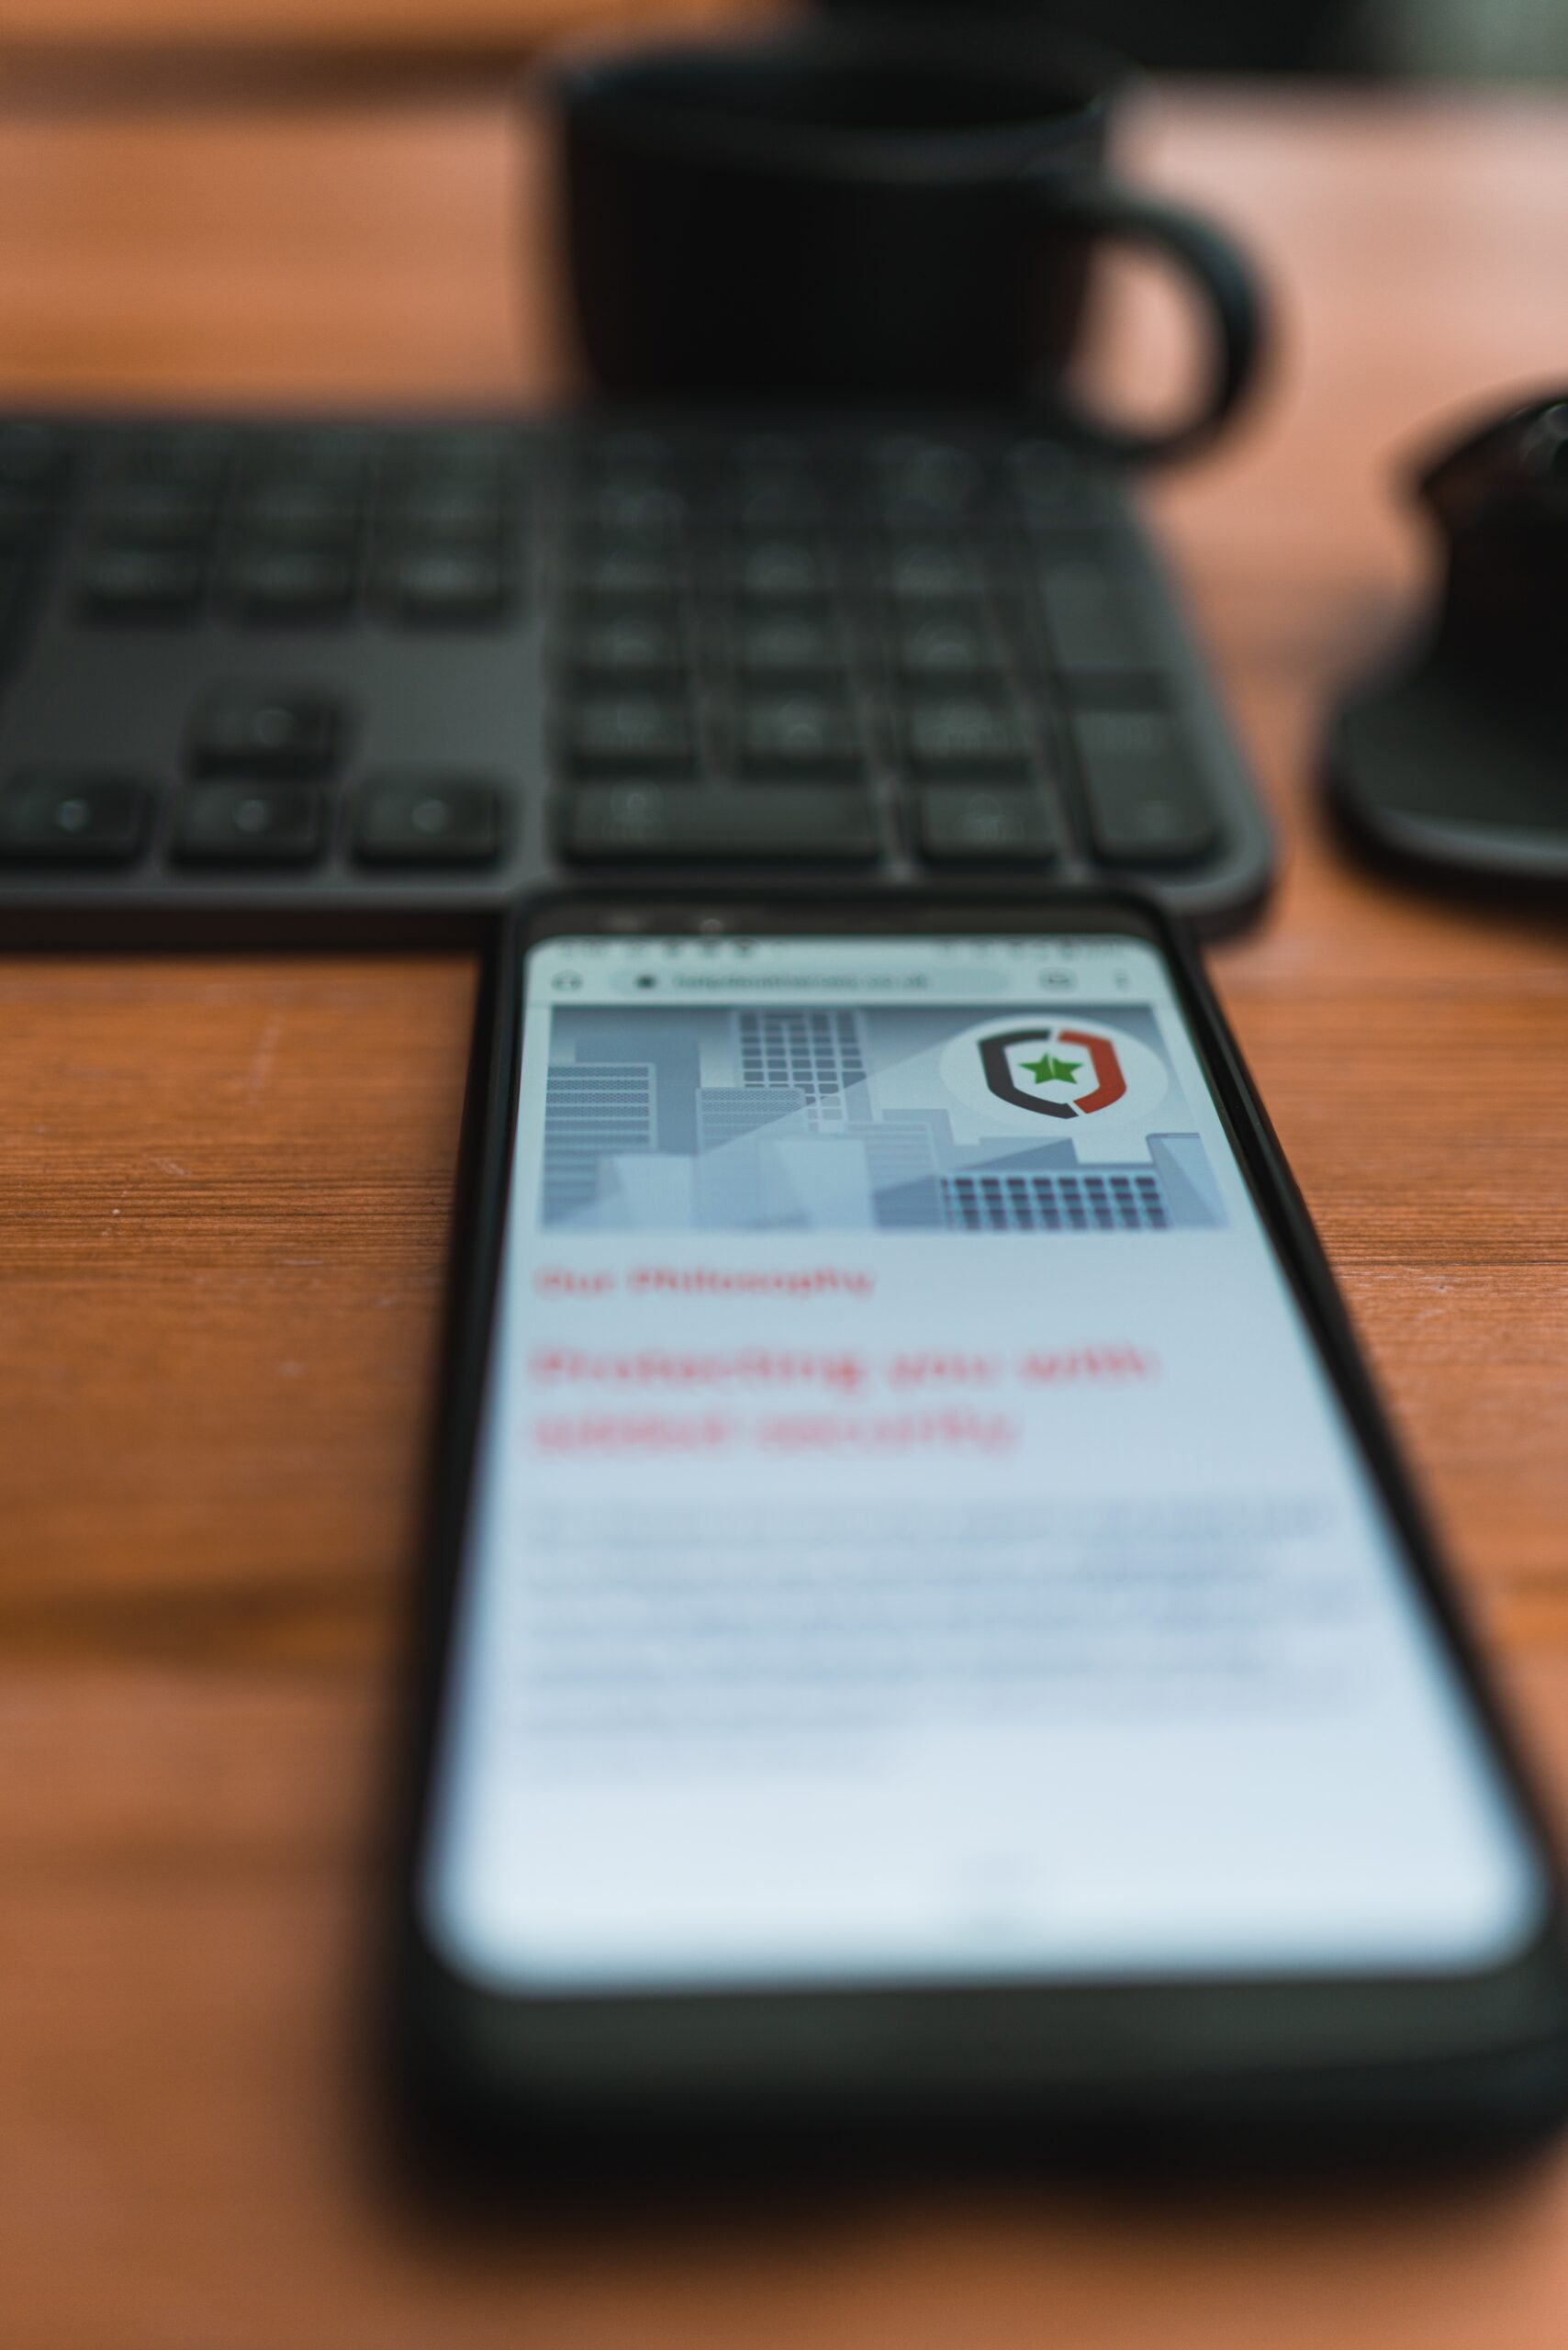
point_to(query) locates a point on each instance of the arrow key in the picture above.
(966, 825)
(1146, 804)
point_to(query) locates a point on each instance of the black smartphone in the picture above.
(927, 1618)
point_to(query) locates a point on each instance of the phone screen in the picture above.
(914, 1536)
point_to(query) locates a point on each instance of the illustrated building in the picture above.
(734, 1189)
(1174, 1188)
(821, 1052)
(593, 1110)
(724, 1113)
(677, 1072)
(1109, 1200)
(634, 1140)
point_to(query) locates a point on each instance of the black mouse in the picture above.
(1457, 759)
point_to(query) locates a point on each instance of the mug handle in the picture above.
(1222, 275)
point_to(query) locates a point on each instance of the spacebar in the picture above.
(809, 823)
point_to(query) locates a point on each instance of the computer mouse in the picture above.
(1455, 759)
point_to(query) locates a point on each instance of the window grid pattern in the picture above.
(1040, 1202)
(592, 1110)
(819, 1052)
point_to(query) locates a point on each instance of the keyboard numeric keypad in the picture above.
(823, 648)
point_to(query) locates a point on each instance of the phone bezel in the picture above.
(1491, 2044)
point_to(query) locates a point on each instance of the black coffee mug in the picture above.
(893, 211)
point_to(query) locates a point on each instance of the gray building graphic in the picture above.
(821, 1052)
(594, 1111)
(768, 1121)
(1173, 1189)
(727, 1112)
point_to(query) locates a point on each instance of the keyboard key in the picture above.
(807, 823)
(926, 484)
(305, 491)
(446, 586)
(250, 730)
(615, 646)
(434, 518)
(967, 735)
(195, 456)
(476, 454)
(639, 510)
(32, 456)
(967, 825)
(629, 734)
(159, 513)
(433, 819)
(779, 570)
(1053, 491)
(949, 645)
(934, 570)
(25, 514)
(282, 583)
(455, 491)
(623, 574)
(139, 584)
(768, 484)
(301, 513)
(250, 823)
(1094, 619)
(625, 474)
(323, 453)
(770, 503)
(1146, 804)
(628, 448)
(800, 733)
(791, 644)
(60, 816)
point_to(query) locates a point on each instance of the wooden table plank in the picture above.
(226, 1184)
(372, 29)
(229, 1185)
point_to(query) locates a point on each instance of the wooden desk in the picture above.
(225, 1195)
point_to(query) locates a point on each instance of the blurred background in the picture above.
(1492, 38)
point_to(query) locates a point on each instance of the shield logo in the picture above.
(1071, 1073)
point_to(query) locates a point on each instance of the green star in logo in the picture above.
(1048, 1070)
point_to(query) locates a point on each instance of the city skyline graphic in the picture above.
(777, 1119)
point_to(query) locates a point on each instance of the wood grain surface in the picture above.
(226, 1184)
(52, 29)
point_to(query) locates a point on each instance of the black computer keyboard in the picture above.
(386, 671)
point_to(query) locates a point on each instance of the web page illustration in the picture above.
(778, 1118)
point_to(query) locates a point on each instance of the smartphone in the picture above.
(926, 1615)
